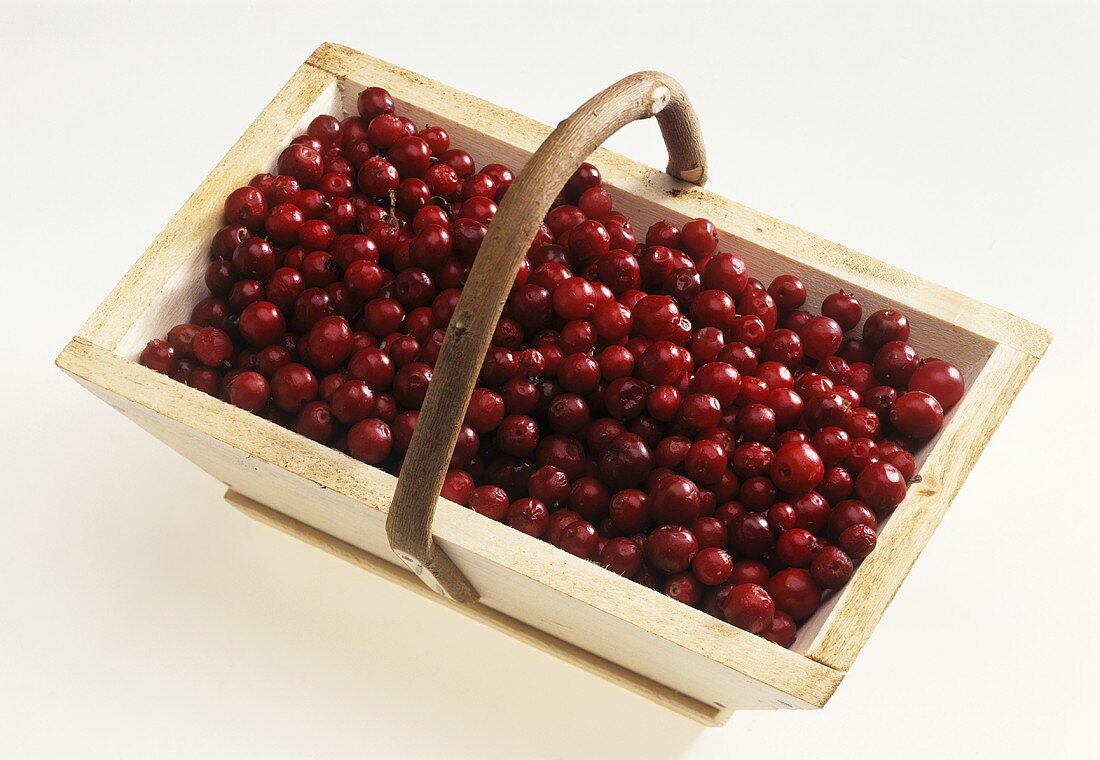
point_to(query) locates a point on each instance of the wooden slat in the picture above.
(522, 577)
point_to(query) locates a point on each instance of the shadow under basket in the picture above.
(675, 655)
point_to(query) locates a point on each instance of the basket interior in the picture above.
(932, 336)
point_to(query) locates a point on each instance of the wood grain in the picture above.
(638, 96)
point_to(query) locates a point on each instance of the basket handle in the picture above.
(638, 96)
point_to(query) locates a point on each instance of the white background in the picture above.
(142, 617)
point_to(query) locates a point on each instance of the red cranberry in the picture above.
(674, 501)
(797, 468)
(795, 593)
(160, 357)
(781, 631)
(885, 326)
(622, 556)
(292, 386)
(750, 607)
(831, 568)
(684, 588)
(917, 414)
(796, 547)
(580, 538)
(490, 501)
(844, 308)
(670, 549)
(880, 486)
(750, 535)
(939, 379)
(712, 565)
(213, 347)
(857, 541)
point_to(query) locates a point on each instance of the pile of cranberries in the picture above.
(646, 406)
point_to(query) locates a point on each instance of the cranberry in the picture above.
(880, 486)
(917, 414)
(857, 541)
(750, 535)
(750, 607)
(623, 556)
(788, 291)
(625, 462)
(671, 548)
(684, 588)
(797, 468)
(844, 308)
(213, 347)
(490, 501)
(159, 356)
(674, 501)
(580, 538)
(796, 547)
(781, 631)
(885, 326)
(292, 386)
(831, 568)
(939, 379)
(821, 337)
(795, 593)
(712, 565)
(629, 511)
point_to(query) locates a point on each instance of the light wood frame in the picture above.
(678, 656)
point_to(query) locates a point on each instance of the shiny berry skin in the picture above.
(528, 516)
(247, 207)
(254, 258)
(895, 362)
(939, 379)
(248, 390)
(160, 357)
(684, 588)
(750, 535)
(377, 177)
(671, 548)
(262, 323)
(857, 541)
(831, 568)
(352, 402)
(797, 468)
(458, 486)
(793, 590)
(749, 607)
(705, 462)
(885, 326)
(782, 630)
(656, 317)
(821, 337)
(880, 486)
(292, 386)
(213, 347)
(844, 308)
(518, 435)
(712, 565)
(629, 511)
(674, 501)
(625, 462)
(622, 556)
(490, 501)
(301, 162)
(917, 414)
(373, 101)
(698, 238)
(788, 292)
(796, 547)
(581, 539)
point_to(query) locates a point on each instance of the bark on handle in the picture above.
(639, 96)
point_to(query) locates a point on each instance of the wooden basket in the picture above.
(677, 656)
